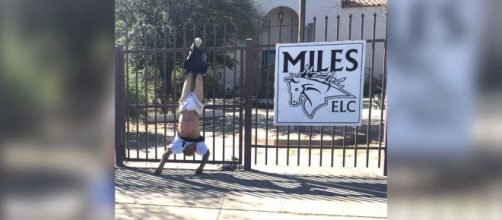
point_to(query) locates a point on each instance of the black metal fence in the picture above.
(237, 121)
(152, 86)
(321, 145)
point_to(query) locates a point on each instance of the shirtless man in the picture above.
(188, 139)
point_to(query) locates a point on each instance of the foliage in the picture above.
(137, 92)
(172, 23)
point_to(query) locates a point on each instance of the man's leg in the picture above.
(187, 87)
(165, 156)
(203, 163)
(199, 92)
(199, 87)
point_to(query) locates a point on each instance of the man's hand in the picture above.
(157, 172)
(203, 163)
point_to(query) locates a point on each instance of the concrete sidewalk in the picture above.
(179, 194)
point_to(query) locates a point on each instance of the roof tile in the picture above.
(363, 3)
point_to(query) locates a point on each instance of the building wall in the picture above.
(269, 10)
(331, 8)
(229, 78)
(285, 31)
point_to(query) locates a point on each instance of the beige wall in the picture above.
(320, 9)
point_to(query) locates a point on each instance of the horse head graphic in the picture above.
(312, 91)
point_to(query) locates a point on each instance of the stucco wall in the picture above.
(330, 8)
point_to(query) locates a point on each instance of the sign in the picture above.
(319, 83)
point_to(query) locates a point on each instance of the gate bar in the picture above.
(251, 58)
(119, 116)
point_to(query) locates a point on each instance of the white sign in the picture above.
(319, 83)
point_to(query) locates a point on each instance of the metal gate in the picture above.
(148, 96)
(237, 121)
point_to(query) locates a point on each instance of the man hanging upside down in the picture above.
(188, 139)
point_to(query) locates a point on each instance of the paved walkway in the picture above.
(179, 194)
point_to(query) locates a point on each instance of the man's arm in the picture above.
(187, 87)
(165, 156)
(199, 87)
(203, 163)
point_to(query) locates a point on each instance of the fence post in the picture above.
(250, 72)
(119, 108)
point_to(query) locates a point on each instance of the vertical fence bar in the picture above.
(343, 145)
(119, 73)
(298, 146)
(386, 146)
(315, 30)
(385, 154)
(175, 87)
(277, 127)
(122, 106)
(310, 144)
(289, 127)
(241, 106)
(145, 79)
(266, 93)
(310, 127)
(332, 127)
(154, 57)
(326, 28)
(332, 133)
(382, 106)
(301, 38)
(344, 127)
(256, 104)
(321, 145)
(250, 69)
(204, 43)
(254, 96)
(287, 142)
(164, 87)
(214, 88)
(233, 89)
(194, 31)
(332, 145)
(383, 103)
(338, 27)
(184, 45)
(367, 127)
(371, 90)
(138, 111)
(126, 92)
(356, 128)
(224, 86)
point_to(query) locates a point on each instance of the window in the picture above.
(267, 57)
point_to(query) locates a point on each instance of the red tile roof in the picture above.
(363, 3)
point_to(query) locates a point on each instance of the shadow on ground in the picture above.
(186, 189)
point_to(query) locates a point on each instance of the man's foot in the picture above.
(198, 171)
(157, 172)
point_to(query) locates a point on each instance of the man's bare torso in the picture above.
(188, 125)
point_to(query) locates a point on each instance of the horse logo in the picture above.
(313, 90)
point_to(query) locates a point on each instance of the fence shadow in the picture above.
(189, 189)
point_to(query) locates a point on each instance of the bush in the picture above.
(138, 95)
